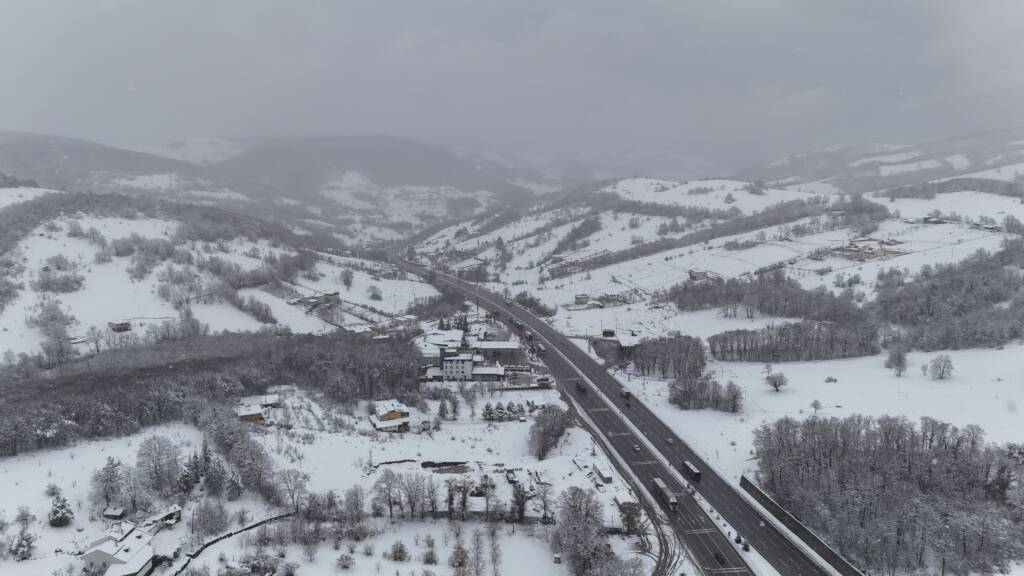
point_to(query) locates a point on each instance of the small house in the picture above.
(602, 476)
(701, 275)
(113, 513)
(390, 416)
(119, 326)
(250, 413)
(581, 299)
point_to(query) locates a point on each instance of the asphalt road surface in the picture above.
(709, 547)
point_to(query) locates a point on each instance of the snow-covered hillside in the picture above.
(825, 251)
(404, 206)
(142, 271)
(996, 155)
(713, 194)
(201, 150)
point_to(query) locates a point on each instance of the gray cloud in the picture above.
(662, 84)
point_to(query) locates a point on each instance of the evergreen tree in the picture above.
(233, 487)
(216, 476)
(60, 513)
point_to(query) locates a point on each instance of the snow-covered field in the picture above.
(703, 193)
(987, 389)
(10, 196)
(891, 169)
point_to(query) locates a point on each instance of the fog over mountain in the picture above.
(670, 88)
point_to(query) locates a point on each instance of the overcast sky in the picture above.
(715, 83)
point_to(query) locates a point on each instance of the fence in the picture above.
(189, 557)
(842, 565)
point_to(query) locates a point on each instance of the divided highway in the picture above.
(709, 547)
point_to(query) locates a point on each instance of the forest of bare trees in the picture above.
(123, 390)
(973, 303)
(795, 341)
(896, 497)
(673, 356)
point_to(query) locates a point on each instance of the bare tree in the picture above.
(941, 367)
(544, 494)
(293, 482)
(777, 381)
(477, 560)
(495, 541)
(158, 462)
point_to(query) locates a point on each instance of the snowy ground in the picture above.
(524, 550)
(339, 458)
(987, 389)
(10, 196)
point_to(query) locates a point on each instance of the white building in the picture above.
(488, 373)
(458, 367)
(123, 550)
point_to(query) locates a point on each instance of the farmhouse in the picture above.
(390, 416)
(123, 550)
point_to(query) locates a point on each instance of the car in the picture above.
(720, 558)
(636, 447)
(670, 440)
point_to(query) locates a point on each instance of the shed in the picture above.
(114, 513)
(119, 326)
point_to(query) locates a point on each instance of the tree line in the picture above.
(795, 341)
(673, 356)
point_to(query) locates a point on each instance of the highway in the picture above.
(709, 547)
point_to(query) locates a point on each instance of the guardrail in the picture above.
(834, 559)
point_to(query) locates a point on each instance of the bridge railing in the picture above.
(834, 559)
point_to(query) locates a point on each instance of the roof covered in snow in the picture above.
(389, 405)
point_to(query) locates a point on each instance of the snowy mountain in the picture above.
(878, 166)
(361, 189)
